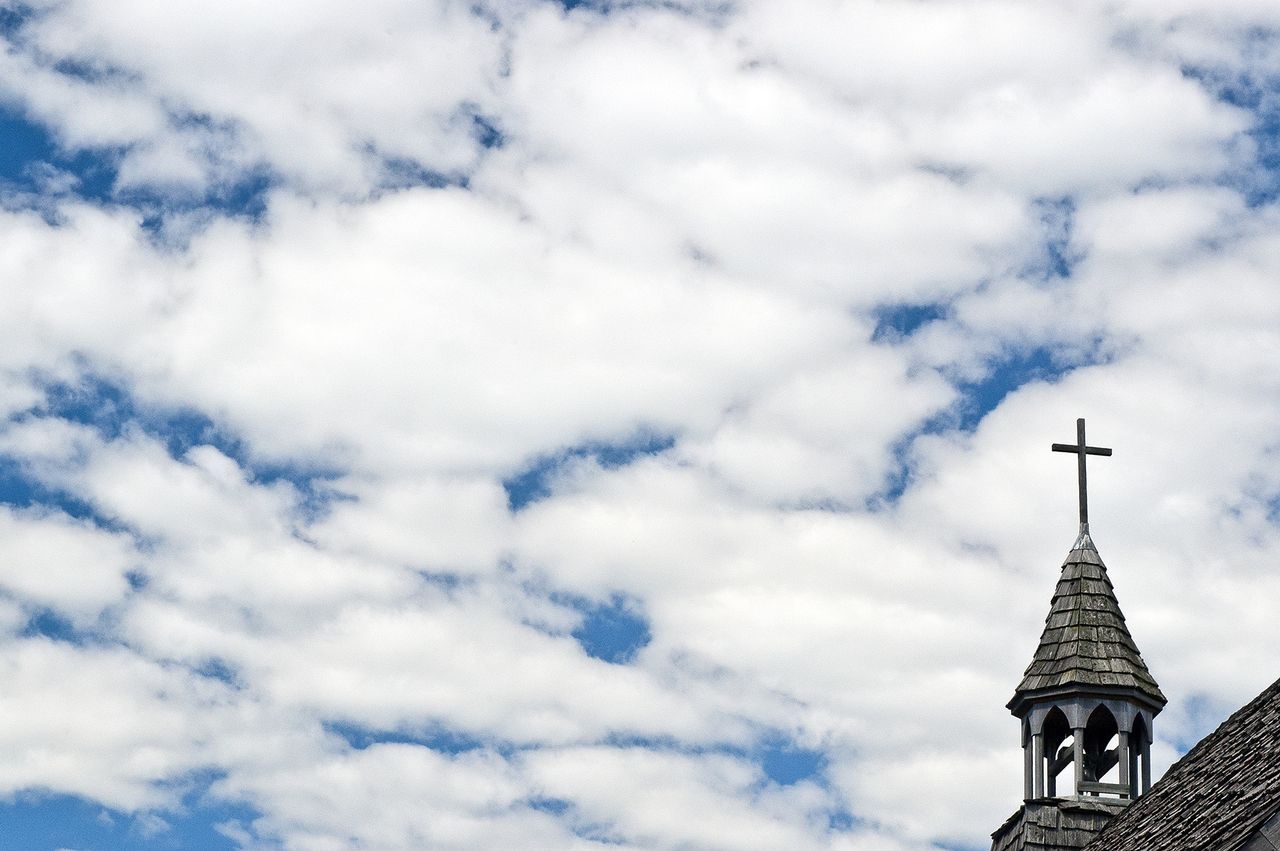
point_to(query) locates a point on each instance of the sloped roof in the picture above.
(1085, 639)
(1217, 796)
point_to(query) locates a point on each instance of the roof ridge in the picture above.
(1269, 693)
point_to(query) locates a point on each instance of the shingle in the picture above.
(1094, 586)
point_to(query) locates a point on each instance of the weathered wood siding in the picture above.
(1054, 824)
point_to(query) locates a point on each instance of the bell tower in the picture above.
(1086, 702)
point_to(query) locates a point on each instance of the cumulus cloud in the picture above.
(779, 307)
(104, 723)
(53, 561)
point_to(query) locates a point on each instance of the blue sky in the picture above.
(573, 425)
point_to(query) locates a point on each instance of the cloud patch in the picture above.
(551, 425)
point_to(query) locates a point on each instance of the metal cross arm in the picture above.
(1081, 449)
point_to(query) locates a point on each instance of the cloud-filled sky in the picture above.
(521, 424)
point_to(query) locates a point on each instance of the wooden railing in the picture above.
(1090, 787)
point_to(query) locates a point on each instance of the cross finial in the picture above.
(1081, 449)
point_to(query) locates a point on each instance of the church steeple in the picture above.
(1087, 700)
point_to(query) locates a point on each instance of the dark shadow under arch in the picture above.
(1059, 747)
(1101, 752)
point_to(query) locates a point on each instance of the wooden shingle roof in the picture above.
(1085, 640)
(1224, 795)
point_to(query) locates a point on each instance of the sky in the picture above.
(567, 425)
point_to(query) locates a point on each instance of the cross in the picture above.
(1081, 450)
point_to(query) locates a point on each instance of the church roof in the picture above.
(1223, 794)
(1085, 640)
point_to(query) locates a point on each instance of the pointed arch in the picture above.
(1055, 728)
(1101, 748)
(1059, 747)
(1139, 732)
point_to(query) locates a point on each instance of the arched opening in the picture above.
(1102, 750)
(1059, 748)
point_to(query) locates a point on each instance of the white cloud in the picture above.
(101, 722)
(468, 532)
(51, 560)
(648, 797)
(314, 91)
(398, 796)
(686, 233)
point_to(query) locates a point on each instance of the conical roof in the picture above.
(1085, 641)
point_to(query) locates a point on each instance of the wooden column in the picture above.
(1135, 747)
(1077, 736)
(1122, 759)
(1037, 753)
(1028, 770)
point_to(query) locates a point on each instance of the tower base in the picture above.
(1055, 824)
